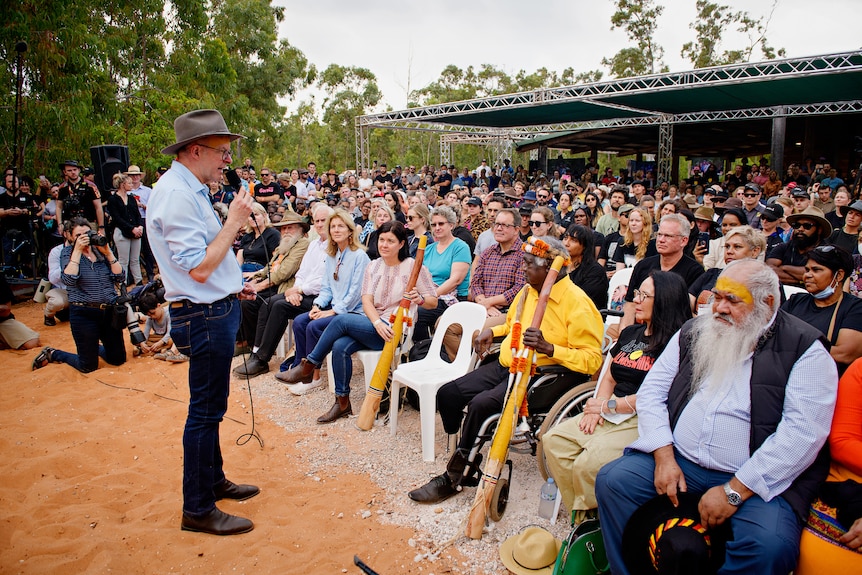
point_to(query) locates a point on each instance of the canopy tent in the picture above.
(772, 91)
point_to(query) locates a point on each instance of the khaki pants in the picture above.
(574, 458)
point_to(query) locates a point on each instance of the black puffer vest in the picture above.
(777, 351)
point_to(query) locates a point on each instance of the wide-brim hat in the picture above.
(690, 200)
(196, 125)
(72, 163)
(293, 218)
(660, 538)
(812, 213)
(705, 213)
(533, 551)
(529, 195)
(134, 171)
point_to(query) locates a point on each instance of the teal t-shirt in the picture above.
(440, 265)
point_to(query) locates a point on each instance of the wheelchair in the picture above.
(555, 395)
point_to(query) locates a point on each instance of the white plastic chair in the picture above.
(428, 375)
(282, 348)
(620, 279)
(790, 290)
(370, 358)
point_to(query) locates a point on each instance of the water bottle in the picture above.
(547, 499)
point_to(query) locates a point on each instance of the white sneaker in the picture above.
(303, 388)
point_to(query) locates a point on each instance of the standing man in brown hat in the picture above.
(202, 280)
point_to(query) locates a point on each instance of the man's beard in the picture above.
(805, 241)
(287, 242)
(718, 348)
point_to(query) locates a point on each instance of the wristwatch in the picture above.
(612, 406)
(733, 497)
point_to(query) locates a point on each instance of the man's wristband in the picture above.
(101, 227)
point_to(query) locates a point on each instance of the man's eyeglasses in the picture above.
(662, 236)
(225, 154)
(750, 195)
(262, 174)
(502, 225)
(543, 197)
(536, 224)
(804, 225)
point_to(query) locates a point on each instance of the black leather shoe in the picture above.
(49, 320)
(252, 366)
(304, 373)
(217, 522)
(230, 490)
(440, 488)
(341, 408)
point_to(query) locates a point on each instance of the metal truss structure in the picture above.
(446, 118)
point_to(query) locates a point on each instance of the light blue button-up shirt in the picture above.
(181, 224)
(713, 429)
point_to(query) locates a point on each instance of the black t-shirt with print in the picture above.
(629, 363)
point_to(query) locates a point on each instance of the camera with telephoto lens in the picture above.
(136, 336)
(96, 239)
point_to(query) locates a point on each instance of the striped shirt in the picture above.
(94, 282)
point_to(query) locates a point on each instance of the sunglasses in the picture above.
(536, 224)
(750, 195)
(805, 226)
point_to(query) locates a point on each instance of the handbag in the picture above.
(583, 551)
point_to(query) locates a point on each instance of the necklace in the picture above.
(338, 265)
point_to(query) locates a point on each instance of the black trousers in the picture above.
(272, 320)
(483, 392)
(250, 311)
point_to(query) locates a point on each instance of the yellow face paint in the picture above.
(735, 289)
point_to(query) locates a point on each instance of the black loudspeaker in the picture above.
(107, 161)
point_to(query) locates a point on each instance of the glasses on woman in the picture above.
(642, 295)
(535, 224)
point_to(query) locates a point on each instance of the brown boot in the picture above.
(341, 408)
(445, 485)
(301, 373)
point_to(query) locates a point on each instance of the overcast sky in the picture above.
(407, 44)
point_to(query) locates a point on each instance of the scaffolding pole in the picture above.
(665, 149)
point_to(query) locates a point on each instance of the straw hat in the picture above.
(134, 171)
(533, 551)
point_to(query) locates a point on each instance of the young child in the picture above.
(157, 331)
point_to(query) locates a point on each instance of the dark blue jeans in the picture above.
(345, 335)
(89, 326)
(206, 333)
(765, 534)
(306, 332)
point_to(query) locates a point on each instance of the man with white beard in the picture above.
(736, 409)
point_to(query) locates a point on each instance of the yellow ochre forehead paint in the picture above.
(734, 288)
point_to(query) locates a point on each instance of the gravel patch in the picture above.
(395, 465)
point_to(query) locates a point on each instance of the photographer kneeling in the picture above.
(89, 273)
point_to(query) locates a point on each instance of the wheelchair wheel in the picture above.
(570, 405)
(499, 500)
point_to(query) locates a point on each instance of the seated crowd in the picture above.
(740, 313)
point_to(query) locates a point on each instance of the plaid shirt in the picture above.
(499, 273)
